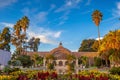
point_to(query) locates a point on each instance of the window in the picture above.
(60, 63)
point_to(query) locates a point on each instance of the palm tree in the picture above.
(19, 34)
(97, 17)
(5, 37)
(25, 23)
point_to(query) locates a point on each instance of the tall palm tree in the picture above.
(19, 34)
(97, 17)
(24, 23)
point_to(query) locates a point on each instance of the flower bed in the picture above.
(51, 75)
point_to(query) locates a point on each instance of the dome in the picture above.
(60, 49)
(60, 52)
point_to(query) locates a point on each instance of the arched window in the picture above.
(60, 63)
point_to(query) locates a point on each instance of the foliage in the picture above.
(97, 17)
(110, 46)
(50, 66)
(5, 37)
(95, 46)
(19, 34)
(83, 60)
(34, 44)
(40, 75)
(71, 66)
(87, 45)
(115, 70)
(25, 60)
(98, 61)
(50, 58)
(8, 70)
(38, 60)
(15, 63)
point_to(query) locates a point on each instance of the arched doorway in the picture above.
(60, 63)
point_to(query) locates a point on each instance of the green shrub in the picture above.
(8, 70)
(115, 70)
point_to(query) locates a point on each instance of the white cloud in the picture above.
(45, 35)
(57, 35)
(66, 8)
(4, 3)
(118, 5)
(98, 38)
(69, 4)
(4, 24)
(63, 18)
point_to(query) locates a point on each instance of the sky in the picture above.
(66, 21)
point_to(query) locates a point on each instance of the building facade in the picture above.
(60, 58)
(5, 56)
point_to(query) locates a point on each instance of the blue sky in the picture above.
(68, 21)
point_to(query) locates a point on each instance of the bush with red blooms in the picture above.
(90, 77)
(22, 77)
(83, 75)
(40, 76)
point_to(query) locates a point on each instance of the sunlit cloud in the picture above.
(45, 35)
(98, 38)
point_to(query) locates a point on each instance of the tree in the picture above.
(19, 34)
(5, 37)
(71, 65)
(110, 43)
(97, 17)
(25, 60)
(86, 45)
(50, 59)
(97, 61)
(84, 60)
(95, 45)
(34, 44)
(37, 59)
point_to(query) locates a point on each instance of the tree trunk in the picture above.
(99, 35)
(106, 61)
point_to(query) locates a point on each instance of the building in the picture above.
(60, 53)
(5, 56)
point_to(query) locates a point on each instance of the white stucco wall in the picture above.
(5, 56)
